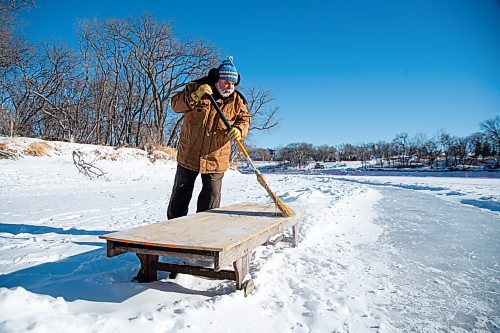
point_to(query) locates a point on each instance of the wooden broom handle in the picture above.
(227, 124)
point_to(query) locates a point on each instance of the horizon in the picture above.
(348, 73)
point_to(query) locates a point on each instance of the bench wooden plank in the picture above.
(215, 230)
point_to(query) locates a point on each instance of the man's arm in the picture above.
(188, 98)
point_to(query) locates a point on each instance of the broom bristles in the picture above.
(285, 210)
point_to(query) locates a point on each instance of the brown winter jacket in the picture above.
(203, 145)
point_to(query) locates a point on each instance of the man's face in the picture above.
(225, 88)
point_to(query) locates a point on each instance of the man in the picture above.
(204, 145)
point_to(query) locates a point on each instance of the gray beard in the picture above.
(226, 93)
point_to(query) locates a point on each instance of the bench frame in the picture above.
(238, 256)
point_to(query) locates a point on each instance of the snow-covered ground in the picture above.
(376, 254)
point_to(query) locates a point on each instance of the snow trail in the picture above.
(324, 285)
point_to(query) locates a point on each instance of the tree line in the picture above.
(114, 89)
(442, 149)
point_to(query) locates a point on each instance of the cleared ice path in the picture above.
(444, 259)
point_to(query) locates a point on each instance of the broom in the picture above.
(285, 210)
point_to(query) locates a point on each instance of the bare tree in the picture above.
(141, 64)
(12, 50)
(417, 147)
(109, 66)
(347, 152)
(458, 150)
(259, 154)
(18, 85)
(446, 141)
(115, 90)
(378, 152)
(476, 144)
(58, 88)
(364, 154)
(432, 151)
(401, 146)
(491, 129)
(264, 115)
(167, 63)
(297, 153)
(11, 45)
(324, 153)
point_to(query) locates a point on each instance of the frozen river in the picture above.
(376, 254)
(445, 262)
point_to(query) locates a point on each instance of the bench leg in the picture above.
(148, 271)
(241, 269)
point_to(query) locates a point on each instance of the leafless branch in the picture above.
(86, 168)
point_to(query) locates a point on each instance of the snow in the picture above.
(376, 254)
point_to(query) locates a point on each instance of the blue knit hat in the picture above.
(227, 71)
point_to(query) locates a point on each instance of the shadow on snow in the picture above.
(17, 229)
(92, 276)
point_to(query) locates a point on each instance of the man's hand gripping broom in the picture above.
(285, 210)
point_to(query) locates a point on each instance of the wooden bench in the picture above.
(223, 237)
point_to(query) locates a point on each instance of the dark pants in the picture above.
(182, 192)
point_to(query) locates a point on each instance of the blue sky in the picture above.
(341, 71)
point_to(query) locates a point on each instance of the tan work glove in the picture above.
(200, 92)
(234, 134)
